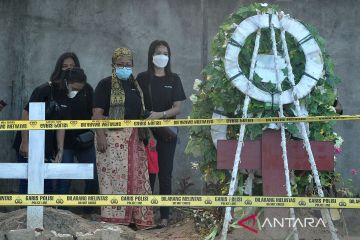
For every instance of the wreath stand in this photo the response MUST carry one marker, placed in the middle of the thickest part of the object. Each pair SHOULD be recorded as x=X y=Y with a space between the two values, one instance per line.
x=313 y=72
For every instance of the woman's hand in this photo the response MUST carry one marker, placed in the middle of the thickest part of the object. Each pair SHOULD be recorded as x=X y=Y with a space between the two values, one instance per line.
x=60 y=136
x=24 y=149
x=152 y=143
x=173 y=111
x=59 y=156
x=338 y=107
x=101 y=143
x=155 y=115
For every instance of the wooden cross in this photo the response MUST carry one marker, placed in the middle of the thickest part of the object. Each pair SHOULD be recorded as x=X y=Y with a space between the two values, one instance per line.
x=266 y=155
x=36 y=170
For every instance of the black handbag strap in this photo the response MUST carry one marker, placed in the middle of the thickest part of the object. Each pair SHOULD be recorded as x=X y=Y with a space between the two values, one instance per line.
x=51 y=91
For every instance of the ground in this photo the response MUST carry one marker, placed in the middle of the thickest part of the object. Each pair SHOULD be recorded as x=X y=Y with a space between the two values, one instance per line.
x=181 y=227
x=66 y=222
x=182 y=230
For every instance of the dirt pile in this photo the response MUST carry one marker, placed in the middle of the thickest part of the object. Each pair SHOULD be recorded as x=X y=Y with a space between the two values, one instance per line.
x=61 y=224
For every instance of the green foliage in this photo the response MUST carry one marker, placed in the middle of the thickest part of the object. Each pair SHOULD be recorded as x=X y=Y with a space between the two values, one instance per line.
x=216 y=91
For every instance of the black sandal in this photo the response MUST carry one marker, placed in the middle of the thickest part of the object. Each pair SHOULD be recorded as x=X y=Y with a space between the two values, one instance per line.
x=164 y=223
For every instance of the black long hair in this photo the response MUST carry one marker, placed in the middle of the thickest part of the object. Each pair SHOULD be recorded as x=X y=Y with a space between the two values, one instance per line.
x=151 y=65
x=56 y=74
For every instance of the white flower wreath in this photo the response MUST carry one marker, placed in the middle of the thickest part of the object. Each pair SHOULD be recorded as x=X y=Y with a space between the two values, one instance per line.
x=313 y=67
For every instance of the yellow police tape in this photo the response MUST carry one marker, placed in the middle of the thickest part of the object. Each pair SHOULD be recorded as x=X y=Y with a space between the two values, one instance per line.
x=178 y=201
x=11 y=125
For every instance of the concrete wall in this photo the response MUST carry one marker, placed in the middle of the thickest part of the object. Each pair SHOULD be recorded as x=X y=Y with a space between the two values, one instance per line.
x=34 y=33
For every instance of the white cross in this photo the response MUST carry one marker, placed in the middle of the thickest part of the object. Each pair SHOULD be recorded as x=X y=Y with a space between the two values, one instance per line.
x=36 y=170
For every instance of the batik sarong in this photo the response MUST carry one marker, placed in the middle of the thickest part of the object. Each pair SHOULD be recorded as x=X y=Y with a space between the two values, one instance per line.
x=123 y=169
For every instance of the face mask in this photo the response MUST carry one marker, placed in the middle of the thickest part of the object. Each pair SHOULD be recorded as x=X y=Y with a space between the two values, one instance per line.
x=72 y=94
x=123 y=73
x=160 y=60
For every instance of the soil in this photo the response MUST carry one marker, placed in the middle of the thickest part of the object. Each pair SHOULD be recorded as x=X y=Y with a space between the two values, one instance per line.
x=60 y=221
x=181 y=227
x=183 y=230
x=66 y=222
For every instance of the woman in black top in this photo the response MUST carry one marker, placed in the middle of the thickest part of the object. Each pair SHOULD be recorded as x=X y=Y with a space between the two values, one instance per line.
x=120 y=157
x=163 y=96
x=53 y=93
x=79 y=99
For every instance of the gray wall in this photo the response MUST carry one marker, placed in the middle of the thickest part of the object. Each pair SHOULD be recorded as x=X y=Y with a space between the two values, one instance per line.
x=34 y=33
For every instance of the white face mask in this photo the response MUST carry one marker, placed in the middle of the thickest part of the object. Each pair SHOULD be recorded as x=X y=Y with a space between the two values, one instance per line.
x=160 y=60
x=72 y=94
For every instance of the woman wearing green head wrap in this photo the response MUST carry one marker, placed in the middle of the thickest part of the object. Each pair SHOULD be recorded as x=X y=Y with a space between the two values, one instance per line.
x=121 y=158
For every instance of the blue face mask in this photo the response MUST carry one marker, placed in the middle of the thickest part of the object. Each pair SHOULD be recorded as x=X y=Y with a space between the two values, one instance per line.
x=123 y=73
